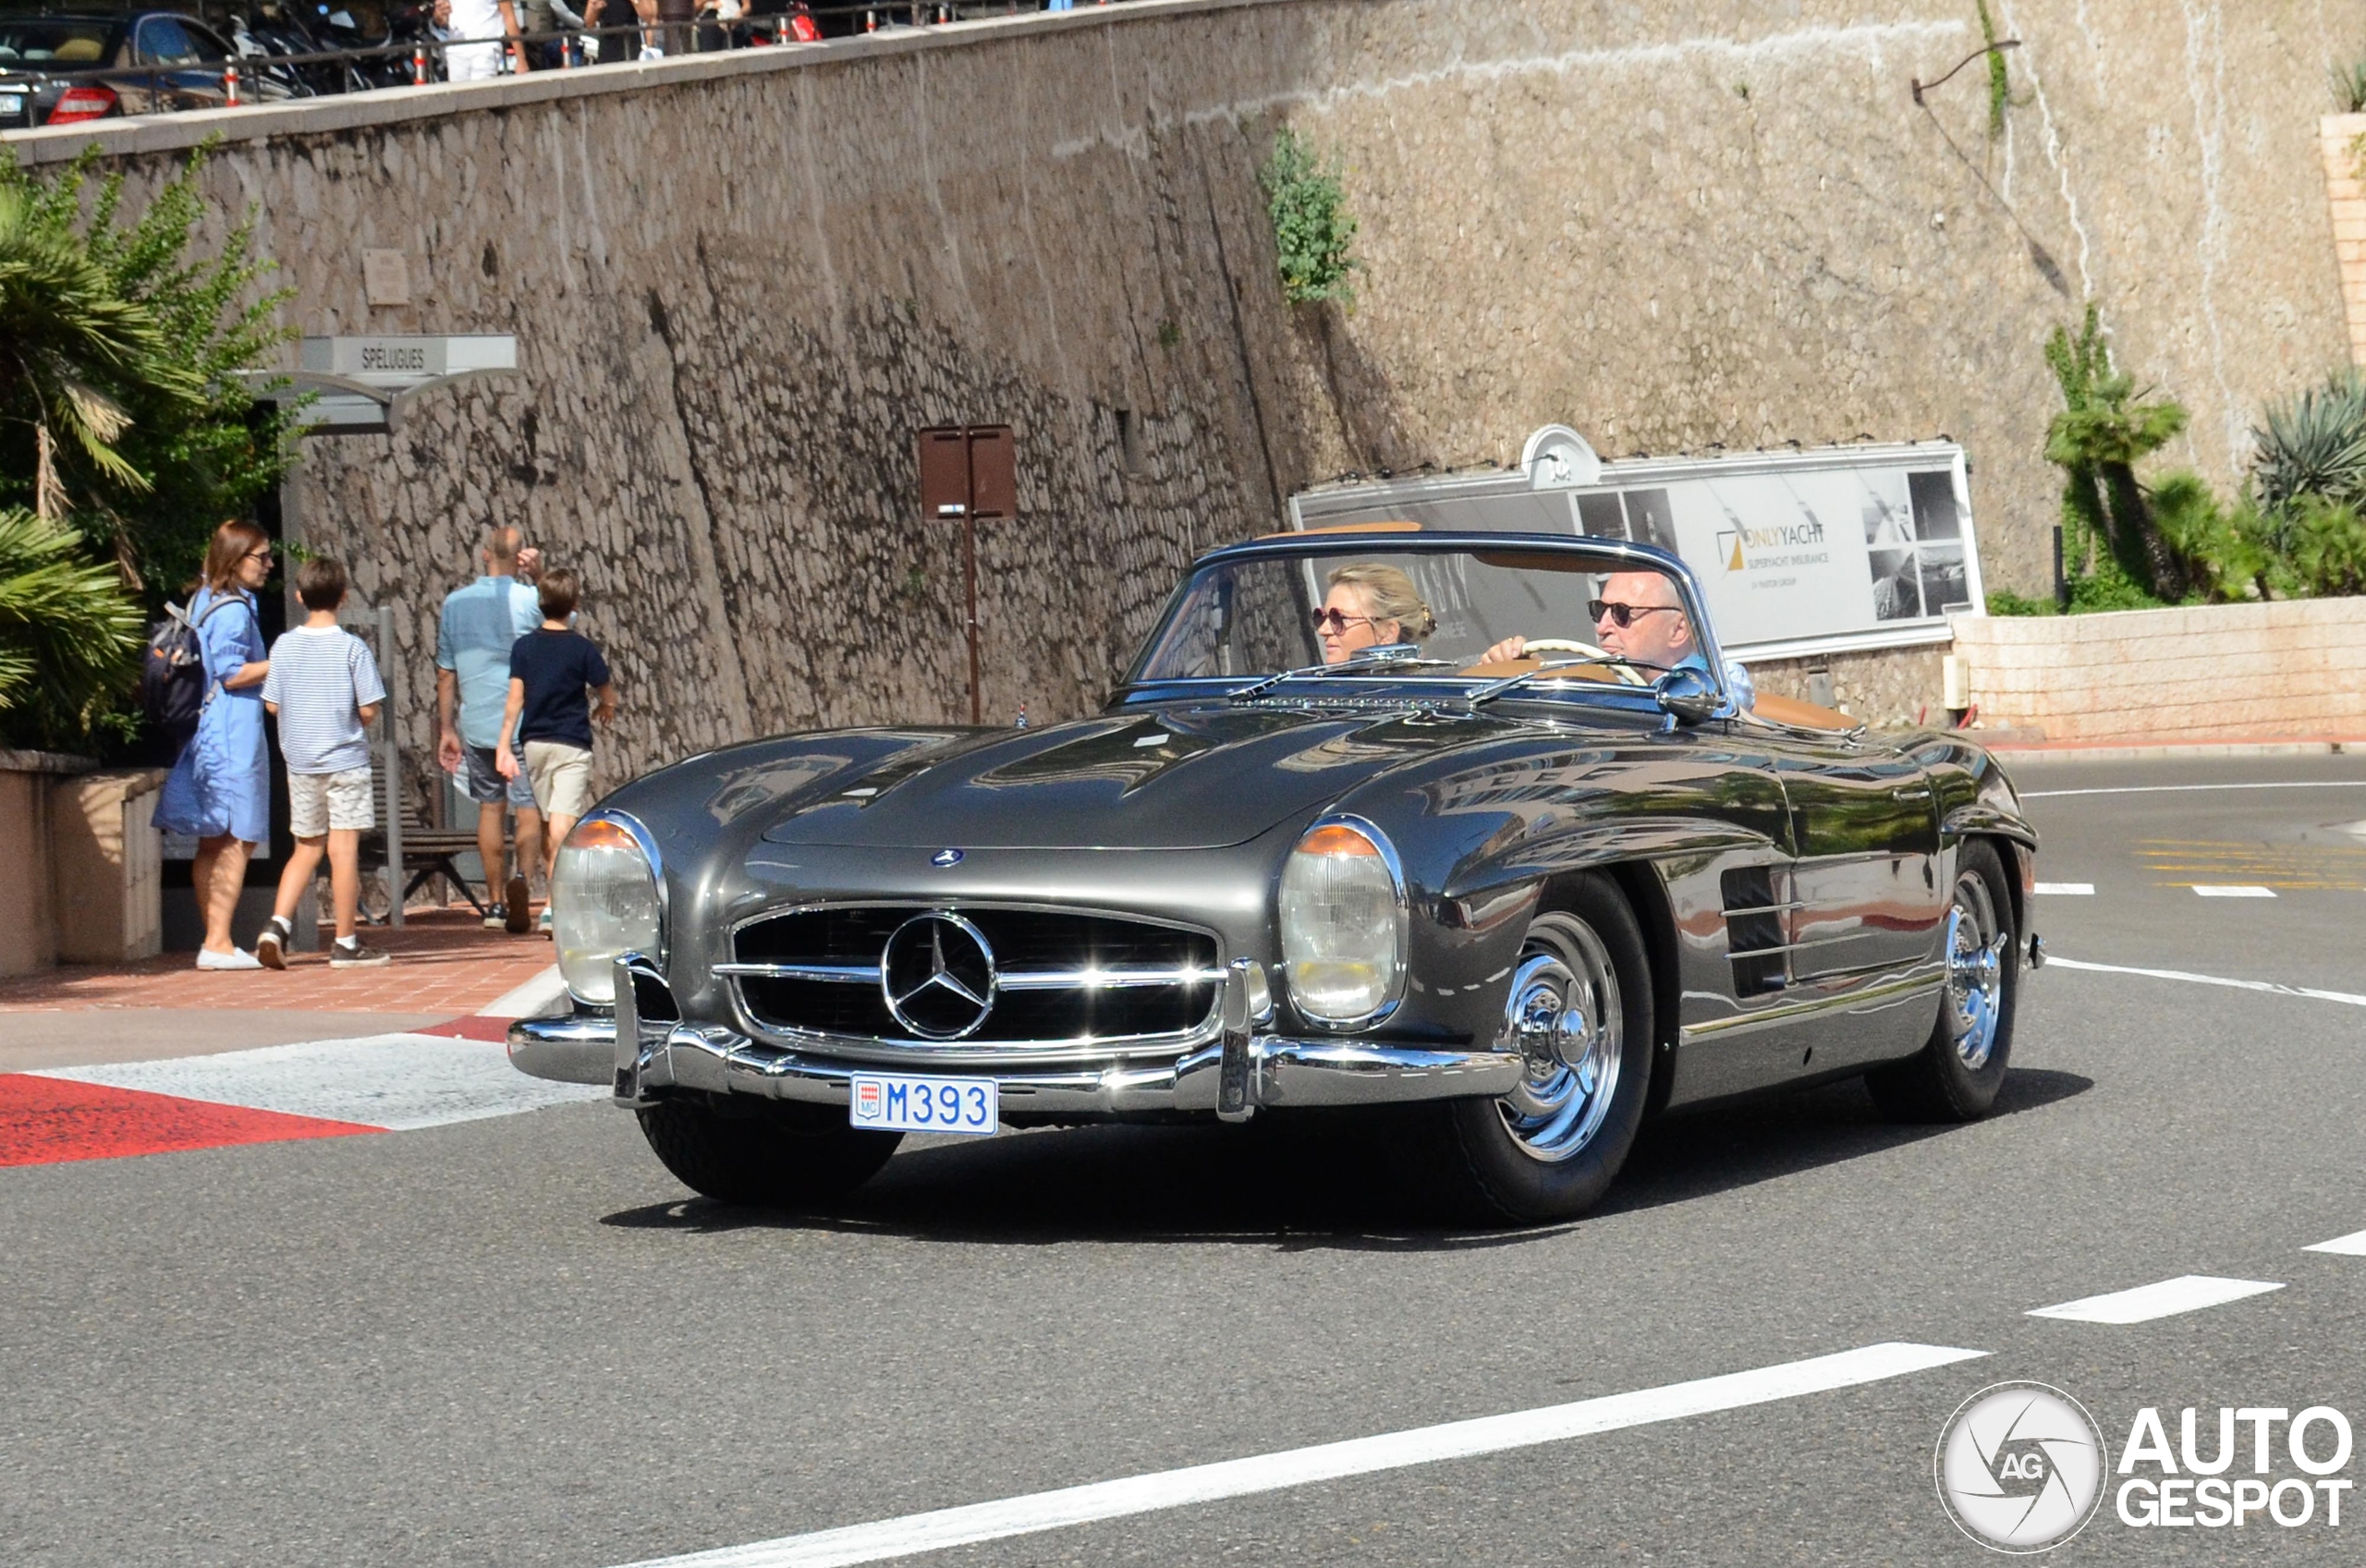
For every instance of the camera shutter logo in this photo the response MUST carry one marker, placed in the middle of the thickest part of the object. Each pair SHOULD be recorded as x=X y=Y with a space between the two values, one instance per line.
x=2020 y=1467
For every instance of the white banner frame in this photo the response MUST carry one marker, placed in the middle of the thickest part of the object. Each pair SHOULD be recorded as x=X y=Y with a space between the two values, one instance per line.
x=1780 y=539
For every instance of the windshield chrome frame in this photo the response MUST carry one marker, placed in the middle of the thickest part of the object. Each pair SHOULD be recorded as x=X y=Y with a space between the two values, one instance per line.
x=1619 y=553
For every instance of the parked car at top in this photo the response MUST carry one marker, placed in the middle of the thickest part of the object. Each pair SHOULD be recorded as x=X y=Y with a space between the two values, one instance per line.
x=1535 y=900
x=63 y=69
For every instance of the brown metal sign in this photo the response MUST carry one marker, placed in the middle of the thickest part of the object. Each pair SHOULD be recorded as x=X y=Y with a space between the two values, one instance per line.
x=969 y=473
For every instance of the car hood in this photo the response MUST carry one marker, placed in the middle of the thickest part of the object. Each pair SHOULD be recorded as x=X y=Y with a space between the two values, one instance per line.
x=1167 y=779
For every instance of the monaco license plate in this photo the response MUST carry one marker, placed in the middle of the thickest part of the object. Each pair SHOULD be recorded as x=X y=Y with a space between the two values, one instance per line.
x=891 y=1103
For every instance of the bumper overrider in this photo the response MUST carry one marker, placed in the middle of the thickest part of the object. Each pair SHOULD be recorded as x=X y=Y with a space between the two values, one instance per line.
x=641 y=1060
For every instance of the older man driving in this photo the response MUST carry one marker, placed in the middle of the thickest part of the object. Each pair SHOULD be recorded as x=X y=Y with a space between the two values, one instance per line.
x=1640 y=617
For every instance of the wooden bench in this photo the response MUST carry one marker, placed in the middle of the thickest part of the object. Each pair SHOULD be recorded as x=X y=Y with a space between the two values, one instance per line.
x=427 y=852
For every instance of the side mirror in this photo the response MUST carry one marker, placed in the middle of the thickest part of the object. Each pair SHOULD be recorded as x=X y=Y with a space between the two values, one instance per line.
x=1687 y=696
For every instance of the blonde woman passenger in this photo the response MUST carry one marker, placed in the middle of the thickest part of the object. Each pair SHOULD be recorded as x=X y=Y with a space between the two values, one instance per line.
x=1369 y=605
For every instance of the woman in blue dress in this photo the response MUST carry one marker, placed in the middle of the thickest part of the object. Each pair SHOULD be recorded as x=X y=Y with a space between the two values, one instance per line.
x=219 y=789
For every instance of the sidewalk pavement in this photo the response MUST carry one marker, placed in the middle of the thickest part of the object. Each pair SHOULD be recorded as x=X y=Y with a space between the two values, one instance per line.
x=446 y=969
x=159 y=1058
x=2024 y=744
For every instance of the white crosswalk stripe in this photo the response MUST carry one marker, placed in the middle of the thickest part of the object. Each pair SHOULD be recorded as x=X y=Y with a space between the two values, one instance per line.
x=397 y=1081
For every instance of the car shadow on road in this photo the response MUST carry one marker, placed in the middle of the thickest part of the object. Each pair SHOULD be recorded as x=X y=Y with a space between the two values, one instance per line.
x=1695 y=1154
x=1305 y=1182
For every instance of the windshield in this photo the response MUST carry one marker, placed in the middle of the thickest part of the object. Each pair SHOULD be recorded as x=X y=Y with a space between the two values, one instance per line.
x=59 y=40
x=1350 y=610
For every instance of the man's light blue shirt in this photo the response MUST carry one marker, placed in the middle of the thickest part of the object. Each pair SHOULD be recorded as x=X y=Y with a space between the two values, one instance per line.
x=472 y=640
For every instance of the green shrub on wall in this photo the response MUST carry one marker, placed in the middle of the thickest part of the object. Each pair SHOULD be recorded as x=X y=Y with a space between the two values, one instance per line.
x=2295 y=532
x=1313 y=231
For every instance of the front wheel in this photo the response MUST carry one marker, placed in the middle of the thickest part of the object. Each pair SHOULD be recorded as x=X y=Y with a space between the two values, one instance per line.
x=774 y=1156
x=1579 y=1013
x=1957 y=1074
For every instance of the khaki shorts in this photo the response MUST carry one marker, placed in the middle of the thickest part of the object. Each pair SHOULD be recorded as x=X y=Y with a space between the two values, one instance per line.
x=562 y=776
x=317 y=802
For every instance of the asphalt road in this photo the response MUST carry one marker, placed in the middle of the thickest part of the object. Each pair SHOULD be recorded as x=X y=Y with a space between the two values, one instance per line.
x=516 y=1342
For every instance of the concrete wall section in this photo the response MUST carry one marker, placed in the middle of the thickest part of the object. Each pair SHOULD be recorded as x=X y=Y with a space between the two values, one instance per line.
x=741 y=282
x=2286 y=670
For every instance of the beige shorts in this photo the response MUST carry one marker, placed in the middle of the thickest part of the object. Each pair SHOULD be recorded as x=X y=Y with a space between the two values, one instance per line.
x=562 y=777
x=317 y=802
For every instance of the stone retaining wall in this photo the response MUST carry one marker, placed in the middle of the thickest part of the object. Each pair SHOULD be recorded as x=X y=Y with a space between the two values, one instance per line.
x=2286 y=670
x=740 y=282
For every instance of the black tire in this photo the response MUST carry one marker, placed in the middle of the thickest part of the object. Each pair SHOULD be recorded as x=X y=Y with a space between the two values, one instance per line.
x=1531 y=1179
x=1938 y=1083
x=773 y=1156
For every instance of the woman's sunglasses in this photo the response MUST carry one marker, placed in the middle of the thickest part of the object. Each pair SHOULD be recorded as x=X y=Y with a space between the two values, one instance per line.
x=1622 y=615
x=1335 y=623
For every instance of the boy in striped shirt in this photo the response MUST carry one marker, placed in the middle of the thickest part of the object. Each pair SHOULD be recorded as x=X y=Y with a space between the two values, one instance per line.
x=324 y=687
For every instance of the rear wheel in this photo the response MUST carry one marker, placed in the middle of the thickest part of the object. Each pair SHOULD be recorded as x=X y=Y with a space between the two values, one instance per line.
x=1579 y=1013
x=1957 y=1074
x=772 y=1155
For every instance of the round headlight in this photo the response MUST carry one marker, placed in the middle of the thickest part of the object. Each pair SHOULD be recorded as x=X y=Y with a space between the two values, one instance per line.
x=603 y=902
x=1343 y=924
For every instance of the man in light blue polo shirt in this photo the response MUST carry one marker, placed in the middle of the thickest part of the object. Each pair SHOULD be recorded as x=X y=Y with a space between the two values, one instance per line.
x=472 y=642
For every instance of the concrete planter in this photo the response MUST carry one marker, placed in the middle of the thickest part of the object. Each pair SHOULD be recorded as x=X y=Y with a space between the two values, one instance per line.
x=87 y=877
x=2294 y=669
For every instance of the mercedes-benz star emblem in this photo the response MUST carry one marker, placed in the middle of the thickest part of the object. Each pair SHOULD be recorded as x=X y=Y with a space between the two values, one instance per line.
x=938 y=975
x=945 y=858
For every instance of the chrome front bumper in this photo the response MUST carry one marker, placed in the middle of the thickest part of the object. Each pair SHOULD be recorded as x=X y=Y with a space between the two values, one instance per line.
x=1270 y=1070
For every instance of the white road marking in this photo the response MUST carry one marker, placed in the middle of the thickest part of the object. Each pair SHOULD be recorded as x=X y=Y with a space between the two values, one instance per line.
x=2232 y=890
x=946 y=1528
x=394 y=1081
x=2181 y=789
x=2187 y=1293
x=529 y=1000
x=2350 y=997
x=2351 y=1246
x=2066 y=890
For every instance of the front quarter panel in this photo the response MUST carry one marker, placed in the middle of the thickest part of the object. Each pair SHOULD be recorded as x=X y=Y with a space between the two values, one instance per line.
x=706 y=812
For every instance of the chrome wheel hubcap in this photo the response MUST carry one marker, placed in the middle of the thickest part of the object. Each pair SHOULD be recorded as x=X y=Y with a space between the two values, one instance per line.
x=1975 y=971
x=1564 y=1020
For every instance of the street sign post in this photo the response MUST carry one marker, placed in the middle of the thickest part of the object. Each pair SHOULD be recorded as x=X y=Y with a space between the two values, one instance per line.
x=969 y=472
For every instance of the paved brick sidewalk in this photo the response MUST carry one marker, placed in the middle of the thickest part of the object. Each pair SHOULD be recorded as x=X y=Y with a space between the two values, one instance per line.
x=446 y=964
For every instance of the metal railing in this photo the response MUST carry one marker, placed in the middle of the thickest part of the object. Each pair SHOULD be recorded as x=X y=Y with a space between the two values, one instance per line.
x=261 y=75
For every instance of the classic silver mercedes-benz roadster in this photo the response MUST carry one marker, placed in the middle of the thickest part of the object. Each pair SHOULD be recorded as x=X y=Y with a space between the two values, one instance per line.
x=1474 y=824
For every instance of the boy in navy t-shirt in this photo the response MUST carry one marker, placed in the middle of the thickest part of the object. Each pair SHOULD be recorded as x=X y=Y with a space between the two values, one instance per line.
x=551 y=668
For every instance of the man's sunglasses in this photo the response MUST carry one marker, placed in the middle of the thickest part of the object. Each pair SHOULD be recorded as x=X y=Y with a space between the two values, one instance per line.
x=1335 y=622
x=1622 y=614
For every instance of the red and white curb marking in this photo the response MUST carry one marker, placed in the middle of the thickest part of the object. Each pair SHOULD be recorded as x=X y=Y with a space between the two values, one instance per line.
x=456 y=1072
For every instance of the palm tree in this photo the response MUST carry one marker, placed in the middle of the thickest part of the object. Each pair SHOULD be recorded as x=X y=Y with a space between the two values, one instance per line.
x=2103 y=429
x=71 y=347
x=68 y=631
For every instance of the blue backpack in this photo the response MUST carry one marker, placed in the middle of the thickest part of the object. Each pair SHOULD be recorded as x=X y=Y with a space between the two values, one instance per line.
x=172 y=676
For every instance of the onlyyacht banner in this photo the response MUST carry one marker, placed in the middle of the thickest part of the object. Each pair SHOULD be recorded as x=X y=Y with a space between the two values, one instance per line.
x=1799 y=551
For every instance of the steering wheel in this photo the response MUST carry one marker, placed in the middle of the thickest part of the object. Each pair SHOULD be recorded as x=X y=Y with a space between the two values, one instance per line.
x=1631 y=676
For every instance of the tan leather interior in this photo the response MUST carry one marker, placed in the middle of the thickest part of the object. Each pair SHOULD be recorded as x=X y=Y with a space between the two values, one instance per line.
x=1498 y=669
x=1779 y=710
x=1346 y=527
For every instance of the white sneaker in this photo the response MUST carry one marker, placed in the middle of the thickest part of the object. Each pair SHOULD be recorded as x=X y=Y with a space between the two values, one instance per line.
x=236 y=958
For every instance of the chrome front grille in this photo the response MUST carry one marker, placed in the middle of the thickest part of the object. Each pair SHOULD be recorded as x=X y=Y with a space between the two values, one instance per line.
x=1050 y=977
